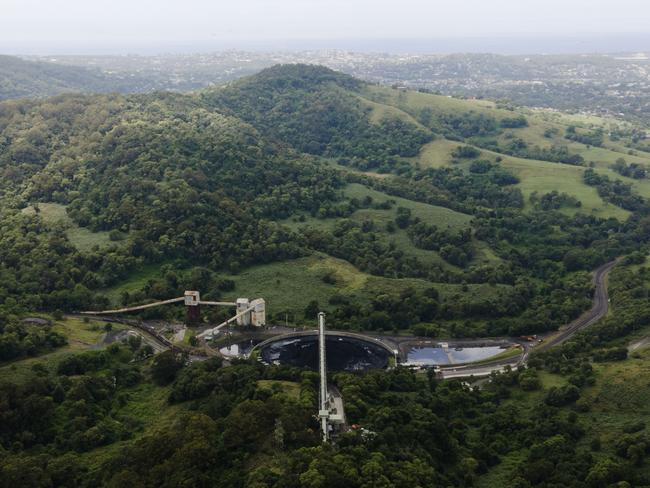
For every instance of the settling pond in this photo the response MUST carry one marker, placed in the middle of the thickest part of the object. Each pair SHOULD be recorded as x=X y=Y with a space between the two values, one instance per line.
x=429 y=355
x=346 y=353
x=343 y=353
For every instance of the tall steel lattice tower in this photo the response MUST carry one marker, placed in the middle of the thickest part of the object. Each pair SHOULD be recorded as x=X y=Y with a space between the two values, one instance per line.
x=323 y=412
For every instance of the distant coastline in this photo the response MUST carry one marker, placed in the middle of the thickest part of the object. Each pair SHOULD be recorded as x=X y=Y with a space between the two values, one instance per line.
x=585 y=44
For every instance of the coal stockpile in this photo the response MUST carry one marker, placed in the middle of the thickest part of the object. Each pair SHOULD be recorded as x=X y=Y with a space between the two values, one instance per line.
x=343 y=353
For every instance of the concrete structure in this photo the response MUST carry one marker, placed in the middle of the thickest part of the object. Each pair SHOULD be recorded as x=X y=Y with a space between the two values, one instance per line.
x=330 y=410
x=258 y=315
x=192 y=298
x=192 y=309
x=243 y=304
x=323 y=411
x=247 y=312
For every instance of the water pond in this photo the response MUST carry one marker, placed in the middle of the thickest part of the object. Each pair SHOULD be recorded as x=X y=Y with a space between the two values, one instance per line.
x=428 y=355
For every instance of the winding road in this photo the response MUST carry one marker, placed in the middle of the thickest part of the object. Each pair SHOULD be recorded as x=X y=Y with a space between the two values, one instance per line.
x=598 y=310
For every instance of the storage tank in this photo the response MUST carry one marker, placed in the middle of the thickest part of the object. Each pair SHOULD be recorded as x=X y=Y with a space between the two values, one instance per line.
x=243 y=304
x=258 y=315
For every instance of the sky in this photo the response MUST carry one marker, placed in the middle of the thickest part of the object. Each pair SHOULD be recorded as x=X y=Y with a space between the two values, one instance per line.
x=39 y=24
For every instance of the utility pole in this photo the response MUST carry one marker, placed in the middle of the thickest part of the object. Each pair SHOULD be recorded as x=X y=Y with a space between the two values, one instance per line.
x=324 y=411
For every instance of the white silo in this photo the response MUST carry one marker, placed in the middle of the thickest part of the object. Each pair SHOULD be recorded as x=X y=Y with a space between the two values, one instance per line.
x=258 y=315
x=242 y=305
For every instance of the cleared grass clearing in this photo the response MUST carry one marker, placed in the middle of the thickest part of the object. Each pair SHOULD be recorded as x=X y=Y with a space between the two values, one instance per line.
x=539 y=176
x=431 y=214
x=289 y=286
x=543 y=177
x=533 y=135
x=290 y=388
x=85 y=240
x=484 y=254
x=380 y=112
x=20 y=372
x=81 y=336
x=134 y=283
x=80 y=237
x=501 y=474
x=441 y=217
x=436 y=153
x=413 y=102
x=51 y=213
x=604 y=157
x=580 y=120
x=535 y=175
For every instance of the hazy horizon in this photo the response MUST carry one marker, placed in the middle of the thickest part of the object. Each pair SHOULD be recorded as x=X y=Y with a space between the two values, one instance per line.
x=154 y=27
x=506 y=45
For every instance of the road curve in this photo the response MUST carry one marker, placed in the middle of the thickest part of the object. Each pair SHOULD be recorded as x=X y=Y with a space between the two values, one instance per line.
x=598 y=310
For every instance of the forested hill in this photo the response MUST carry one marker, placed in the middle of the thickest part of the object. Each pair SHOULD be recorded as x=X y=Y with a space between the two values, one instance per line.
x=394 y=211
x=317 y=111
x=21 y=78
x=300 y=165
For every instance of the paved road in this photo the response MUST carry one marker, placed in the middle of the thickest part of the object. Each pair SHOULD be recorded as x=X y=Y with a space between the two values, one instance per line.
x=598 y=310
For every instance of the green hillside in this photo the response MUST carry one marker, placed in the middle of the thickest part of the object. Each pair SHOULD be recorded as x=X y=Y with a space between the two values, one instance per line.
x=582 y=406
x=20 y=78
x=534 y=175
x=142 y=197
x=543 y=129
x=397 y=212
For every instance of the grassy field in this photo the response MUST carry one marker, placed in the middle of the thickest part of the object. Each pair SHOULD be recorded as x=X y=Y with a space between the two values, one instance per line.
x=413 y=102
x=380 y=111
x=290 y=388
x=137 y=279
x=436 y=154
x=291 y=285
x=80 y=335
x=431 y=214
x=539 y=176
x=80 y=237
x=535 y=175
x=442 y=217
